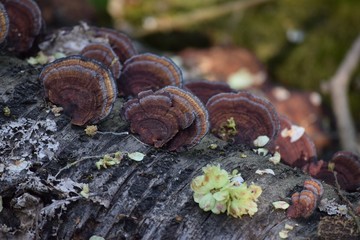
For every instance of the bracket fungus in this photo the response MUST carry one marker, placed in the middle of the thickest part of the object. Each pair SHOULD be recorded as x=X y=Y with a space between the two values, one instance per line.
x=170 y=117
x=346 y=165
x=4 y=23
x=148 y=72
x=308 y=112
x=103 y=53
x=305 y=202
x=83 y=87
x=119 y=42
x=204 y=90
x=295 y=152
x=242 y=117
x=25 y=23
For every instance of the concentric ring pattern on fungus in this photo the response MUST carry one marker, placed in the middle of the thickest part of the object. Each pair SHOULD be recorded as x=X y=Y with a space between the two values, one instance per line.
x=83 y=87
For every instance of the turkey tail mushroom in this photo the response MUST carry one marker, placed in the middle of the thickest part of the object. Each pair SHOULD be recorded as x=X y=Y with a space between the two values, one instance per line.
x=347 y=167
x=83 y=87
x=171 y=118
x=25 y=23
x=119 y=42
x=295 y=147
x=242 y=117
x=103 y=53
x=148 y=72
x=204 y=90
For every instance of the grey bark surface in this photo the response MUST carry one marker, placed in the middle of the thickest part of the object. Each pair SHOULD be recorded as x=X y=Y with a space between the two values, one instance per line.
x=150 y=199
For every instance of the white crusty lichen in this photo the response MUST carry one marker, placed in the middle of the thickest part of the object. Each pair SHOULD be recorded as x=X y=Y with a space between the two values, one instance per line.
x=25 y=141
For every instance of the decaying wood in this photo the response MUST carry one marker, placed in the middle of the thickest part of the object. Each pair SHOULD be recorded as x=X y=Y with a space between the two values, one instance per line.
x=150 y=199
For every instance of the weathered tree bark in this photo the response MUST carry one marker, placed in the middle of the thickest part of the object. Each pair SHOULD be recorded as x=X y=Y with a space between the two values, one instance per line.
x=150 y=199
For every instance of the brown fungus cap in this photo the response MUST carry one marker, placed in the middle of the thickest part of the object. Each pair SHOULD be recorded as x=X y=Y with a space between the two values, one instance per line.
x=120 y=43
x=25 y=23
x=296 y=153
x=103 y=53
x=4 y=23
x=152 y=117
x=206 y=89
x=83 y=87
x=171 y=118
x=308 y=112
x=346 y=165
x=189 y=104
x=242 y=117
x=148 y=71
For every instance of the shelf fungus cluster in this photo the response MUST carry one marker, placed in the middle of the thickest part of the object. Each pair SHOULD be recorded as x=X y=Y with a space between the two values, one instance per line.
x=294 y=145
x=22 y=24
x=83 y=87
x=148 y=72
x=103 y=53
x=171 y=118
x=119 y=42
x=204 y=90
x=242 y=117
x=305 y=202
x=347 y=167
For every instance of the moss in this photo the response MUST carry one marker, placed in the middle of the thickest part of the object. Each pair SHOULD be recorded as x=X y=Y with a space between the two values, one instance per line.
x=325 y=45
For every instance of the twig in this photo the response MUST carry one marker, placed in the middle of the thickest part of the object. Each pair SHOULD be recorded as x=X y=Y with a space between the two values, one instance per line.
x=167 y=23
x=351 y=209
x=339 y=84
x=113 y=133
x=76 y=162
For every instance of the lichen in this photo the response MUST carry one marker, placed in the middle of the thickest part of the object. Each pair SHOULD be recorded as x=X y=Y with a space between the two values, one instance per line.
x=91 y=130
x=109 y=160
x=227 y=130
x=218 y=191
x=25 y=141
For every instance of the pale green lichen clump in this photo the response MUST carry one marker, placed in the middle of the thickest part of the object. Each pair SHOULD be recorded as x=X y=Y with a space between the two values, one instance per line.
x=218 y=191
x=227 y=130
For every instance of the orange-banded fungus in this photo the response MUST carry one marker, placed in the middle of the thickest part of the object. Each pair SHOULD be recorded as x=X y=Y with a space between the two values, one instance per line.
x=120 y=43
x=83 y=87
x=242 y=117
x=170 y=118
x=4 y=23
x=347 y=167
x=148 y=72
x=206 y=89
x=305 y=202
x=25 y=23
x=297 y=152
x=103 y=53
x=315 y=186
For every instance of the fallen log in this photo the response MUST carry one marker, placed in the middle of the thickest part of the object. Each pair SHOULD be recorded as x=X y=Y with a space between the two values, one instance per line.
x=44 y=179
